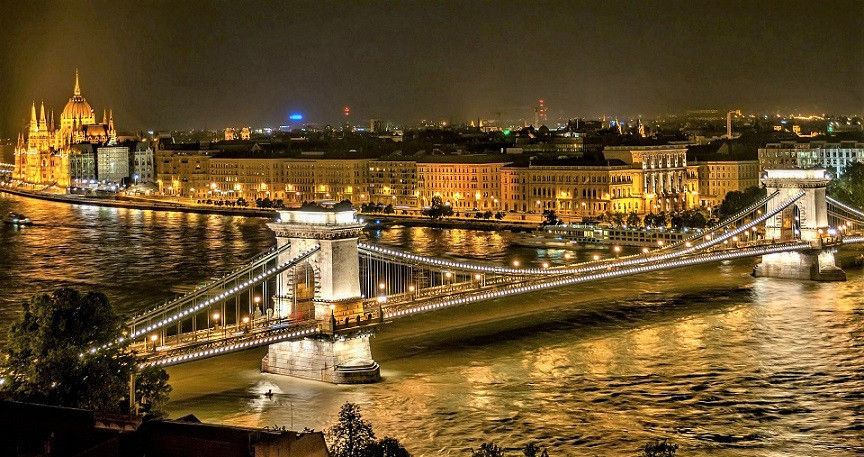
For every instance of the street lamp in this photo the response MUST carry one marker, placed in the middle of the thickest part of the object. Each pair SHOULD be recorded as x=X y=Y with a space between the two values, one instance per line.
x=516 y=263
x=154 y=338
x=215 y=317
x=246 y=322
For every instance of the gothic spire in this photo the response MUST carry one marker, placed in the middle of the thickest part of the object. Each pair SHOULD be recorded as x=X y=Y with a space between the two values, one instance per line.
x=42 y=122
x=77 y=86
x=33 y=119
x=104 y=116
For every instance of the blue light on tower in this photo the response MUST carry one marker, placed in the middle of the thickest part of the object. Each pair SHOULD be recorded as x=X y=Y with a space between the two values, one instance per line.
x=296 y=117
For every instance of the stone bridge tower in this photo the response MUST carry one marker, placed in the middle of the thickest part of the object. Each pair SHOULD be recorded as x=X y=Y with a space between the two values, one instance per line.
x=340 y=353
x=805 y=220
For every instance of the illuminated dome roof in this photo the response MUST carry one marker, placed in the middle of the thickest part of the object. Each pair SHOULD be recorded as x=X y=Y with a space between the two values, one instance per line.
x=77 y=107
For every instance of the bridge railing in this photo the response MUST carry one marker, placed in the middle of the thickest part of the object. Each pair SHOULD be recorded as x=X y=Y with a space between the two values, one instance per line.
x=845 y=207
x=586 y=266
x=253 y=264
x=179 y=313
x=726 y=222
x=539 y=283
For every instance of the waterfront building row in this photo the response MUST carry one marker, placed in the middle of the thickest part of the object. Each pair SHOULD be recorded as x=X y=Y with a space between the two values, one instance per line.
x=832 y=156
x=642 y=179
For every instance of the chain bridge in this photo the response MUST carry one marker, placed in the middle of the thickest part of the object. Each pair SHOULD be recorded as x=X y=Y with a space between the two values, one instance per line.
x=318 y=296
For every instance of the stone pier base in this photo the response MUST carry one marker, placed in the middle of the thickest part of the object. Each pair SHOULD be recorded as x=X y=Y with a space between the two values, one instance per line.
x=815 y=266
x=337 y=360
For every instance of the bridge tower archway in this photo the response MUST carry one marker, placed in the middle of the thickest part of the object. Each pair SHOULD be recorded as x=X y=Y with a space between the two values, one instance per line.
x=326 y=286
x=806 y=220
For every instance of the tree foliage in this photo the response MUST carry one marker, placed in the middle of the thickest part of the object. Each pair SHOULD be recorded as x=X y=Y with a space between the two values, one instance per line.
x=849 y=187
x=488 y=450
x=437 y=209
x=736 y=201
x=49 y=358
x=550 y=217
x=352 y=436
x=660 y=448
x=534 y=450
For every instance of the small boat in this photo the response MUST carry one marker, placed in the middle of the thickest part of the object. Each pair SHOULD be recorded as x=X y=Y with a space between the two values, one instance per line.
x=17 y=219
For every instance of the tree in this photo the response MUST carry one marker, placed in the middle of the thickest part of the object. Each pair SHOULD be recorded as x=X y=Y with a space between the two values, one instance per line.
x=549 y=217
x=351 y=436
x=533 y=450
x=736 y=201
x=849 y=187
x=66 y=350
x=488 y=450
x=389 y=447
x=500 y=215
x=633 y=219
x=677 y=221
x=344 y=205
x=437 y=209
x=697 y=220
x=649 y=219
x=659 y=448
x=389 y=209
x=487 y=215
x=152 y=389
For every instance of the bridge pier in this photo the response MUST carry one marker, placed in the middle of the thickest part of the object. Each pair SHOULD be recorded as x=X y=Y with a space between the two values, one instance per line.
x=337 y=359
x=808 y=266
x=807 y=220
x=341 y=353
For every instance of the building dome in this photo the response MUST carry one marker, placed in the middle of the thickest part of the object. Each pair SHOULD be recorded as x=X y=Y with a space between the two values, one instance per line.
x=77 y=108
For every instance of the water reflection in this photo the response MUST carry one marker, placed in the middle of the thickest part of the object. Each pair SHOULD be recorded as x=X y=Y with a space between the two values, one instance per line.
x=725 y=364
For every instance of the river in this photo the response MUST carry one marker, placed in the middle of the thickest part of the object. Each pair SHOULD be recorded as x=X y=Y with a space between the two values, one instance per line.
x=720 y=362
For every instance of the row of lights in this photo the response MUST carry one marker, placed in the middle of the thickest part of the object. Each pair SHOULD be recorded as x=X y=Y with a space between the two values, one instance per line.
x=616 y=249
x=732 y=219
x=263 y=258
x=232 y=347
x=606 y=275
x=845 y=206
x=228 y=293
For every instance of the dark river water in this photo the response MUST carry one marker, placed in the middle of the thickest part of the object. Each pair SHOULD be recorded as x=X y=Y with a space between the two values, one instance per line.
x=720 y=362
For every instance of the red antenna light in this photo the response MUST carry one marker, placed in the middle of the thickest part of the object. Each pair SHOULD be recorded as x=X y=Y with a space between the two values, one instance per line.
x=347 y=111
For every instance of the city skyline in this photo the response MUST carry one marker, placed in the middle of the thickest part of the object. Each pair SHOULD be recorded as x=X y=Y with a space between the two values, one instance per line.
x=197 y=65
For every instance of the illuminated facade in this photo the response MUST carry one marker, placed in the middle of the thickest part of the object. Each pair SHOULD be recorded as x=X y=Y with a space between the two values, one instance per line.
x=717 y=178
x=833 y=157
x=571 y=190
x=466 y=183
x=44 y=155
x=663 y=177
x=394 y=182
x=656 y=180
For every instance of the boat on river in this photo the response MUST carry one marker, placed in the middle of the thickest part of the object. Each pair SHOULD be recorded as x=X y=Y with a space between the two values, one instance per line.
x=17 y=219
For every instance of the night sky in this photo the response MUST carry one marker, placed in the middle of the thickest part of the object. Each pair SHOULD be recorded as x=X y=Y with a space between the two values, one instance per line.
x=179 y=64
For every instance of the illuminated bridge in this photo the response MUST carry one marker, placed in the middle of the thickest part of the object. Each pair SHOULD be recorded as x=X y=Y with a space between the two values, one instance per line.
x=318 y=296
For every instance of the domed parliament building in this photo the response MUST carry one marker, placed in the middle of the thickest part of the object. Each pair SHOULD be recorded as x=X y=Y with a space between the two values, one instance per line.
x=51 y=155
